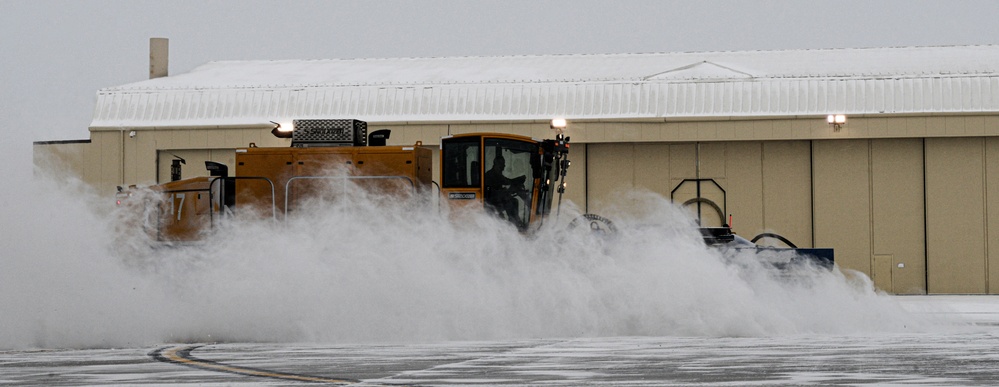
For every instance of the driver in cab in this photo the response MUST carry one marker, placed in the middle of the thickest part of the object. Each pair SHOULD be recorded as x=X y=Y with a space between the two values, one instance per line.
x=501 y=191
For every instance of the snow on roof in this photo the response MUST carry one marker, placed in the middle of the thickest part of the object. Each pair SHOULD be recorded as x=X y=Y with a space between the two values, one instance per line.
x=609 y=86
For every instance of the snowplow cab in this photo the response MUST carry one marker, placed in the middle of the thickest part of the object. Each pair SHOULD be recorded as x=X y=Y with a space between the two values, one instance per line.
x=514 y=177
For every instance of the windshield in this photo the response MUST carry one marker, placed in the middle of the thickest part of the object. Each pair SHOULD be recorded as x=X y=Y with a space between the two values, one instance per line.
x=508 y=181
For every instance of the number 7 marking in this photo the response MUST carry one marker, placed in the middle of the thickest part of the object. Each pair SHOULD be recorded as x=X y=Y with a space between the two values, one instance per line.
x=178 y=207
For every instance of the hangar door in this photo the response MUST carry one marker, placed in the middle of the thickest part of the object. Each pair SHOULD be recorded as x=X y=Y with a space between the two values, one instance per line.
x=869 y=207
x=962 y=215
x=766 y=184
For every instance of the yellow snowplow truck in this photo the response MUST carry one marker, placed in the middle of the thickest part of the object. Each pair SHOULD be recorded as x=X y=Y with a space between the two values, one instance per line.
x=514 y=177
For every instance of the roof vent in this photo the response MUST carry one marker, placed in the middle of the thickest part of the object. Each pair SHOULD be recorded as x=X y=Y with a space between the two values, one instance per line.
x=701 y=70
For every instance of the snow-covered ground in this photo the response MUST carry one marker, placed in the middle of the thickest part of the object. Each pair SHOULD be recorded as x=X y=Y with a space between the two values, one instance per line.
x=429 y=301
x=974 y=309
x=961 y=348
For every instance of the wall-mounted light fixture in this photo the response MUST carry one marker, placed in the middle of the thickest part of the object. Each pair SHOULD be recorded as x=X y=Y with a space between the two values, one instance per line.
x=131 y=134
x=836 y=120
x=558 y=124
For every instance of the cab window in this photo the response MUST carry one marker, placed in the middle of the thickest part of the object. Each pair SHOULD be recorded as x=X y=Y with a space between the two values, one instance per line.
x=461 y=167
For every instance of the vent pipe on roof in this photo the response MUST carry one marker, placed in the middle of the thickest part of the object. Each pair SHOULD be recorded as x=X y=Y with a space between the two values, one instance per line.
x=159 y=54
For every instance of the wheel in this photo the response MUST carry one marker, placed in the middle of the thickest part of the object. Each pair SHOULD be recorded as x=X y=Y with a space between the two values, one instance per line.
x=596 y=223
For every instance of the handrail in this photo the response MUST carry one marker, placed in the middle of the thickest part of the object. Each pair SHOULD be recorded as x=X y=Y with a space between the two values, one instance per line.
x=287 y=185
x=699 y=199
x=269 y=182
x=440 y=193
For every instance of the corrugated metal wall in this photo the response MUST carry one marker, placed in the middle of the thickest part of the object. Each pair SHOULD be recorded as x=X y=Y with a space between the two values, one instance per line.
x=912 y=202
x=767 y=184
x=915 y=214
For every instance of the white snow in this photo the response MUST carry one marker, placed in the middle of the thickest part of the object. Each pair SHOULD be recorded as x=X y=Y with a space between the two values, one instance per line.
x=896 y=80
x=974 y=309
x=863 y=62
x=961 y=351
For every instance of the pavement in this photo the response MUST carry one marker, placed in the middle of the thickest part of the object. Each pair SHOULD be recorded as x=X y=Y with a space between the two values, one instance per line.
x=963 y=349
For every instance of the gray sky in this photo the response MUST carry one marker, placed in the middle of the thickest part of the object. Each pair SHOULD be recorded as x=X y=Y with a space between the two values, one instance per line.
x=57 y=54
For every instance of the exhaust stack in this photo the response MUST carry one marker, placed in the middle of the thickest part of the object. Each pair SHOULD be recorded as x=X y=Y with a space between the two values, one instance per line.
x=159 y=55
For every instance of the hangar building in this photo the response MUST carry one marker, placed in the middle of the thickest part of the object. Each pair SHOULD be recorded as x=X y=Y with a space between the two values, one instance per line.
x=907 y=190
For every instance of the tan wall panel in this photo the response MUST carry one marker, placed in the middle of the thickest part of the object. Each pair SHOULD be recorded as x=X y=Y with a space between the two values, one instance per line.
x=92 y=173
x=109 y=160
x=787 y=198
x=974 y=126
x=199 y=138
x=181 y=139
x=914 y=126
x=140 y=159
x=744 y=186
x=711 y=163
x=726 y=129
x=881 y=271
x=992 y=189
x=233 y=138
x=682 y=163
x=610 y=173
x=652 y=167
x=428 y=134
x=897 y=203
x=404 y=135
x=145 y=146
x=624 y=132
x=763 y=129
x=61 y=160
x=990 y=125
x=267 y=140
x=250 y=136
x=955 y=237
x=615 y=169
x=132 y=157
x=843 y=201
x=650 y=132
x=783 y=130
x=215 y=137
x=937 y=126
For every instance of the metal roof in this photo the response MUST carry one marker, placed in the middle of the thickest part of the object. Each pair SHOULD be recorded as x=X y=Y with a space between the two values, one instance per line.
x=895 y=80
